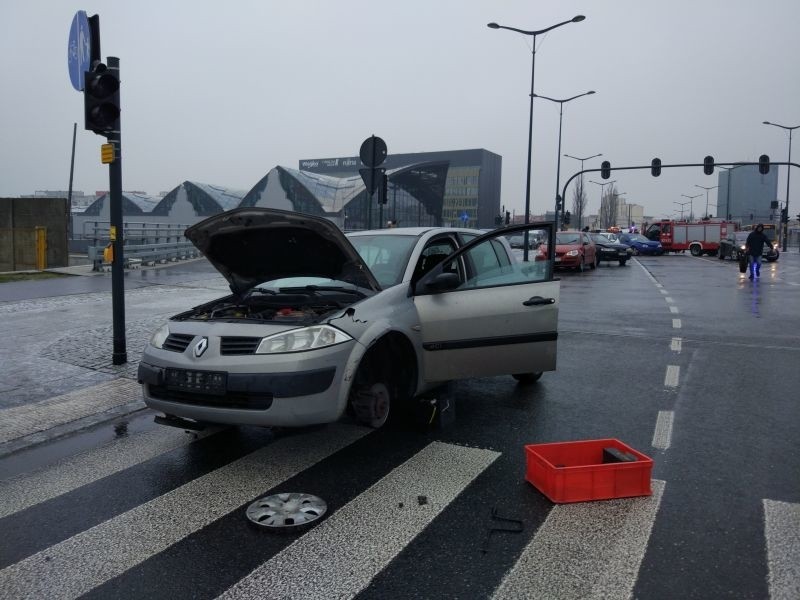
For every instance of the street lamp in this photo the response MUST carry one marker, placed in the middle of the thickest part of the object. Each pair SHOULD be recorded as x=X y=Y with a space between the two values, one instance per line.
x=560 y=120
x=602 y=192
x=691 y=205
x=785 y=224
x=681 y=204
x=580 y=213
x=533 y=34
x=707 y=189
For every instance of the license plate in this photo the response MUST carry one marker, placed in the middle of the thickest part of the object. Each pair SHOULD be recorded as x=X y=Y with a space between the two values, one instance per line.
x=558 y=259
x=201 y=382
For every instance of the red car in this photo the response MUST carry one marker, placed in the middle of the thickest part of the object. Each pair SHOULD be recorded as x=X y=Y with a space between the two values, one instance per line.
x=575 y=250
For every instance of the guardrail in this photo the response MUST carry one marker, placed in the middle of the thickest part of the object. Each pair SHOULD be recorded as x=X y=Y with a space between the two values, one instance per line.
x=149 y=254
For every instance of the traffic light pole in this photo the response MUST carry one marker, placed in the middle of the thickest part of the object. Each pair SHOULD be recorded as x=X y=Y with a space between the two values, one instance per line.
x=120 y=354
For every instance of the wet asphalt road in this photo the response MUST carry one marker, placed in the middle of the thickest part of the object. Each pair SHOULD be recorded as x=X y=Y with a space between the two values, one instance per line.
x=679 y=357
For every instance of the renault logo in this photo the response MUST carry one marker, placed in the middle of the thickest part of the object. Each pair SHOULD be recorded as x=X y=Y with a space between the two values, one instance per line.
x=200 y=347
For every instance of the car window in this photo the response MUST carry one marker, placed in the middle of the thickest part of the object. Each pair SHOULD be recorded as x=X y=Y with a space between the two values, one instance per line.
x=491 y=263
x=385 y=255
x=434 y=253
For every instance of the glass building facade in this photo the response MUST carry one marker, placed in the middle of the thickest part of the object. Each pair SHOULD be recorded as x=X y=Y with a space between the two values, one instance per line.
x=470 y=195
x=745 y=195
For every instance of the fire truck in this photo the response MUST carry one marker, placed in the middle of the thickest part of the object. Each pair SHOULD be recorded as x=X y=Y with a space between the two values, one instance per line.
x=702 y=237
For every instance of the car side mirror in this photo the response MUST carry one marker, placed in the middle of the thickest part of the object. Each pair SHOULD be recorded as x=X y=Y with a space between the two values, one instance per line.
x=442 y=282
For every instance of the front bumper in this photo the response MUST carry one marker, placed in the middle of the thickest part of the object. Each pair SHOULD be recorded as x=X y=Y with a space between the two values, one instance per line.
x=612 y=254
x=293 y=399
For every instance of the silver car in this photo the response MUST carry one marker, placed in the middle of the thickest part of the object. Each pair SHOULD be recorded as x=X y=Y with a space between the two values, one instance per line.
x=319 y=323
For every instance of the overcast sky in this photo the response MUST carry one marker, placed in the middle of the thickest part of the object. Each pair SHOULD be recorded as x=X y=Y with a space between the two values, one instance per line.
x=220 y=93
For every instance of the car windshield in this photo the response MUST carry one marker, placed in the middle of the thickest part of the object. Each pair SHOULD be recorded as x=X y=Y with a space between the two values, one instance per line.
x=568 y=238
x=600 y=239
x=637 y=238
x=386 y=255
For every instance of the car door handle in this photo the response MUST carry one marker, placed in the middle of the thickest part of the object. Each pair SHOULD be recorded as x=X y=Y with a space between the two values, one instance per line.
x=538 y=300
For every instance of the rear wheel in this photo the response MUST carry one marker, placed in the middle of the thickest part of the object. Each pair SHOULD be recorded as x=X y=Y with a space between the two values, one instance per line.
x=528 y=377
x=622 y=262
x=696 y=250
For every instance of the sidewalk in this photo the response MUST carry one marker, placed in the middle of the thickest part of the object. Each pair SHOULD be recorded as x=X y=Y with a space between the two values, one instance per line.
x=56 y=343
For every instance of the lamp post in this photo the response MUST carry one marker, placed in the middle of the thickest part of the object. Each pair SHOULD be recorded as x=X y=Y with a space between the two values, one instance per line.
x=785 y=224
x=602 y=192
x=707 y=189
x=580 y=213
x=691 y=204
x=560 y=103
x=681 y=204
x=533 y=34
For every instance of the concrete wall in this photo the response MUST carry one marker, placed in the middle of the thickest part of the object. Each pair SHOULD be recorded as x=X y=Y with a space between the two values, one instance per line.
x=25 y=214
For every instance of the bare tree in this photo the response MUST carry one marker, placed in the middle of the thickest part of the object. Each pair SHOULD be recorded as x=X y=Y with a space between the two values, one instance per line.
x=608 y=207
x=578 y=203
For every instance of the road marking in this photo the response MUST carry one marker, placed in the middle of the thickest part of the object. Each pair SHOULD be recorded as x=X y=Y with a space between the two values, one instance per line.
x=665 y=292
x=782 y=530
x=81 y=563
x=356 y=548
x=676 y=323
x=672 y=376
x=585 y=550
x=673 y=309
x=662 y=437
x=676 y=345
x=67 y=475
x=669 y=300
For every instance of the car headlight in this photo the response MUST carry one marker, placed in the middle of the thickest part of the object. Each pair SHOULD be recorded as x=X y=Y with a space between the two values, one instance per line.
x=572 y=253
x=305 y=338
x=741 y=247
x=160 y=336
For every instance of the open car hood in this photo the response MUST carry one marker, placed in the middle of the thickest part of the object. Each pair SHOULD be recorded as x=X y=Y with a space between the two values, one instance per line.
x=250 y=246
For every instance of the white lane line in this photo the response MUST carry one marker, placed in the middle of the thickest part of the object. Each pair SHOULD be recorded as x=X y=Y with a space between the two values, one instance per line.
x=662 y=437
x=676 y=344
x=676 y=323
x=669 y=300
x=585 y=550
x=64 y=476
x=673 y=310
x=665 y=292
x=672 y=376
x=356 y=548
x=89 y=559
x=782 y=530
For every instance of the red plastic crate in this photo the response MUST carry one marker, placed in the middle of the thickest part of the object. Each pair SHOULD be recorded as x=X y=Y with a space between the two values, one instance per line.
x=575 y=472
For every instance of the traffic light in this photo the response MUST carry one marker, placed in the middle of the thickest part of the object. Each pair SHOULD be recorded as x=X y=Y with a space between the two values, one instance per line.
x=655 y=167
x=763 y=164
x=559 y=204
x=567 y=218
x=708 y=165
x=605 y=169
x=101 y=100
x=508 y=217
x=785 y=214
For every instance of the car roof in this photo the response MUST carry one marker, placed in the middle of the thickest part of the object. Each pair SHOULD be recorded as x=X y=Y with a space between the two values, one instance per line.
x=415 y=231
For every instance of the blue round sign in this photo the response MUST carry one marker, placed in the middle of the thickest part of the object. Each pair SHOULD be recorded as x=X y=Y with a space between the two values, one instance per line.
x=79 y=49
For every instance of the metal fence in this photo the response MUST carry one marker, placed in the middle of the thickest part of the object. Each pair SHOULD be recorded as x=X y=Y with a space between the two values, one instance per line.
x=144 y=243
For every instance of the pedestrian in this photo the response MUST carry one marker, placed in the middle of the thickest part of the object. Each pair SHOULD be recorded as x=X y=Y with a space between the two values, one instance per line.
x=754 y=249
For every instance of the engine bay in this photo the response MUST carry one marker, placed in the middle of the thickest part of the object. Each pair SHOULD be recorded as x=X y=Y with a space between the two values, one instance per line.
x=302 y=307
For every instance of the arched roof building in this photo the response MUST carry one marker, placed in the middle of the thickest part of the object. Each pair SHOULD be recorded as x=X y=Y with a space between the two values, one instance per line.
x=414 y=195
x=191 y=202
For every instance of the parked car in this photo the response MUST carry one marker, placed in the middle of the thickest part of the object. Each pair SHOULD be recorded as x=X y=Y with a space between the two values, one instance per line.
x=640 y=244
x=319 y=322
x=518 y=241
x=575 y=250
x=733 y=247
x=610 y=251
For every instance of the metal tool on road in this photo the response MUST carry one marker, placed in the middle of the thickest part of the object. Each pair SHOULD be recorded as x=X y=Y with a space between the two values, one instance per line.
x=515 y=526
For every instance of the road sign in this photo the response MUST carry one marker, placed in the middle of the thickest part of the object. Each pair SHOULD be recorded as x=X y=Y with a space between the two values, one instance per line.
x=464 y=217
x=372 y=177
x=373 y=151
x=79 y=49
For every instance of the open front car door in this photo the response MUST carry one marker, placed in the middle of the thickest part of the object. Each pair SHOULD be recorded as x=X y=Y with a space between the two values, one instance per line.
x=486 y=310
